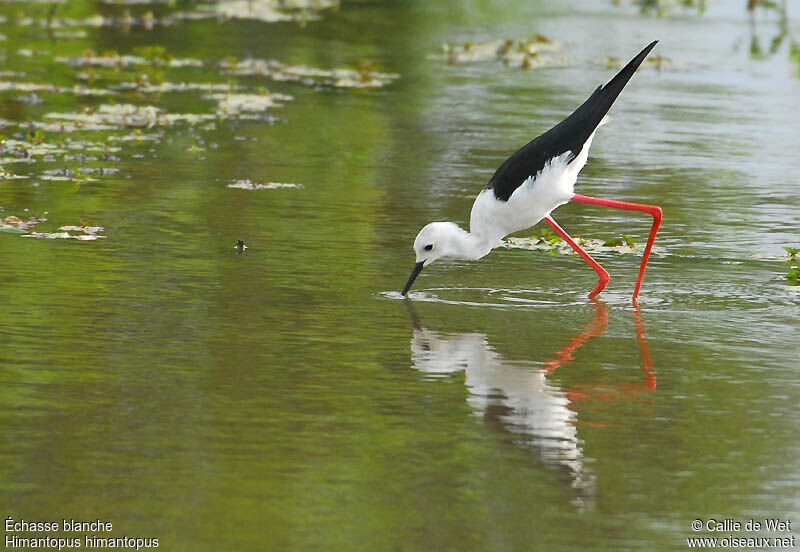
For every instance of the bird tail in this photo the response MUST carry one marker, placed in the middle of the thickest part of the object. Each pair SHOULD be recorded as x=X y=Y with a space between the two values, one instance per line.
x=593 y=111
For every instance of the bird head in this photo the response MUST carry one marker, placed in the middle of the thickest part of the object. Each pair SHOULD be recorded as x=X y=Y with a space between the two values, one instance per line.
x=434 y=241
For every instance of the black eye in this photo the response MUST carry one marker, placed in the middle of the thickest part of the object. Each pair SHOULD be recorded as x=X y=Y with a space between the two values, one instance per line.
x=428 y=247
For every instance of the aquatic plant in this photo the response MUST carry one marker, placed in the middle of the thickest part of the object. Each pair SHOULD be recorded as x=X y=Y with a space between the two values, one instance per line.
x=661 y=7
x=362 y=77
x=15 y=225
x=524 y=54
x=793 y=275
x=300 y=11
x=248 y=184
x=549 y=238
x=623 y=239
x=549 y=242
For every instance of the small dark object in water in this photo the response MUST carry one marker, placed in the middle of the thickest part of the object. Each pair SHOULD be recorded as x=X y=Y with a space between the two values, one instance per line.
x=240 y=246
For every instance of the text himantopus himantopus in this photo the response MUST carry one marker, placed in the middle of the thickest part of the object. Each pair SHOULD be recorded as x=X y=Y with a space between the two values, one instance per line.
x=533 y=182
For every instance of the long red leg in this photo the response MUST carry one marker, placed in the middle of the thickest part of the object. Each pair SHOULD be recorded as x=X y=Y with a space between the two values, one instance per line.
x=601 y=272
x=651 y=209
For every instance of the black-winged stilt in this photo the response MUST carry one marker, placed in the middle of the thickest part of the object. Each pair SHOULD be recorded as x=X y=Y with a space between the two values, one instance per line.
x=533 y=182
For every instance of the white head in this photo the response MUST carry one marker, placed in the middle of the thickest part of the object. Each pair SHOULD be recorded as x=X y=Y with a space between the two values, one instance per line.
x=439 y=240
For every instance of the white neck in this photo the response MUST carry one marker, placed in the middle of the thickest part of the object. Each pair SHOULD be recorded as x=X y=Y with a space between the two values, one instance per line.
x=468 y=245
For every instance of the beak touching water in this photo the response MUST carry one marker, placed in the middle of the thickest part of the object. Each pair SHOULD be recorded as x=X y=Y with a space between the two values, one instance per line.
x=414 y=273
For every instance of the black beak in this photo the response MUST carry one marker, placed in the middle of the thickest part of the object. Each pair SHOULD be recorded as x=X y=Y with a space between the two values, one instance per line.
x=414 y=273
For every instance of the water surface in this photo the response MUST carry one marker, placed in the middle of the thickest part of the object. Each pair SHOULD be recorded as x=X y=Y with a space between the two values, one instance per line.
x=286 y=399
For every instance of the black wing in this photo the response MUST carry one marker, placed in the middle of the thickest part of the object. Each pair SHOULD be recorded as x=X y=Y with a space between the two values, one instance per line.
x=568 y=135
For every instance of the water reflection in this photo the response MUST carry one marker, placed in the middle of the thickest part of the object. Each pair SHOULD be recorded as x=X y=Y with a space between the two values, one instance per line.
x=518 y=396
x=756 y=50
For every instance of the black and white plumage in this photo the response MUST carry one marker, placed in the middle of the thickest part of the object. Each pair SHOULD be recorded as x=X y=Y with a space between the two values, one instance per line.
x=570 y=135
x=529 y=185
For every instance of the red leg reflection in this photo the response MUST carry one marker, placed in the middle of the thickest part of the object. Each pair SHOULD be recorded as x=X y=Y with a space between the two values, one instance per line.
x=596 y=391
x=647 y=364
x=594 y=328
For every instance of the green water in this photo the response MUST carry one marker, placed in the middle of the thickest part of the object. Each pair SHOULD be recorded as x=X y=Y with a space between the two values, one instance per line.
x=286 y=399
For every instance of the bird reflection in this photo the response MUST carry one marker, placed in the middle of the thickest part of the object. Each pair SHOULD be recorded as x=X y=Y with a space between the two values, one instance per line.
x=519 y=397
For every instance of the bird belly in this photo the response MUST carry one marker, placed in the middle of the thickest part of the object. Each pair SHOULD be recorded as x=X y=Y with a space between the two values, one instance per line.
x=536 y=198
x=530 y=203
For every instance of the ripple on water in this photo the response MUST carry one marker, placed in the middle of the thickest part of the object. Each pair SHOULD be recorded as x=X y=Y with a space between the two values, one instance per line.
x=492 y=297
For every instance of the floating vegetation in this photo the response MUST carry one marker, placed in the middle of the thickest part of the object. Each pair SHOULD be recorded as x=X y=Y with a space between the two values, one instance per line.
x=116 y=116
x=624 y=239
x=75 y=173
x=148 y=88
x=82 y=228
x=63 y=235
x=248 y=184
x=138 y=2
x=119 y=105
x=552 y=244
x=270 y=11
x=654 y=61
x=363 y=77
x=70 y=35
x=150 y=55
x=125 y=21
x=20 y=151
x=78 y=89
x=793 y=275
x=661 y=7
x=138 y=136
x=240 y=105
x=8 y=175
x=525 y=54
x=84 y=232
x=16 y=225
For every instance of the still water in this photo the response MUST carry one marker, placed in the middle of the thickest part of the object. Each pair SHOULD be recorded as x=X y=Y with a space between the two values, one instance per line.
x=285 y=398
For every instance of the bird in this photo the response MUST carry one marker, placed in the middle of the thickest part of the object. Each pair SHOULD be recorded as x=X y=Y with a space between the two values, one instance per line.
x=531 y=184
